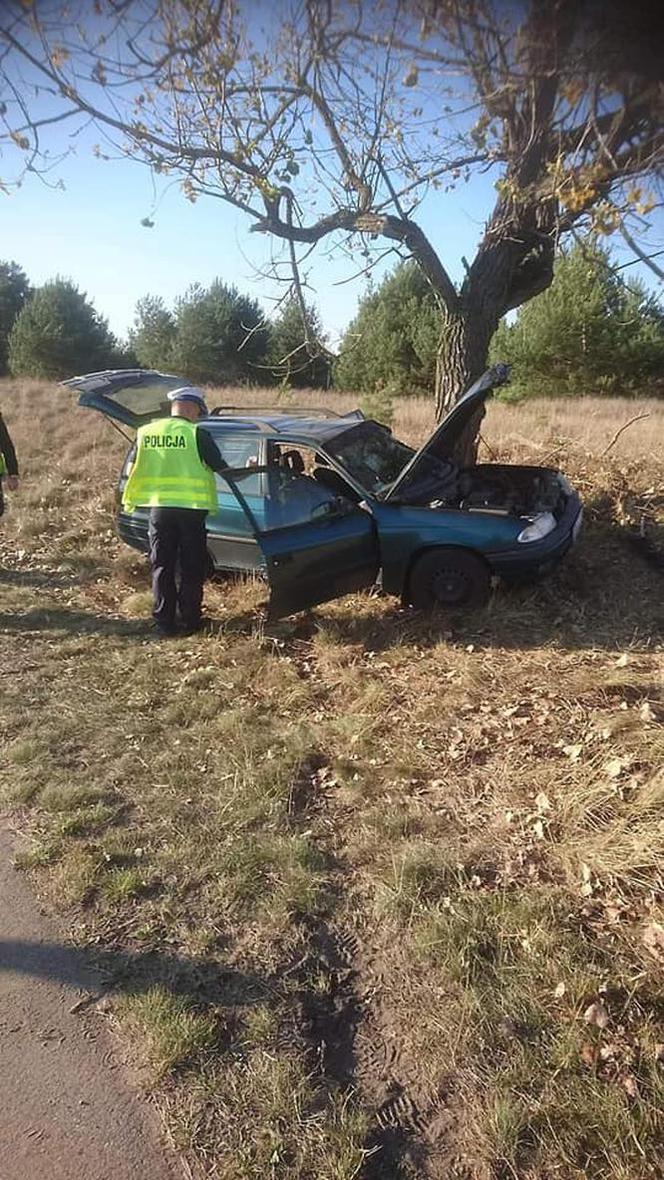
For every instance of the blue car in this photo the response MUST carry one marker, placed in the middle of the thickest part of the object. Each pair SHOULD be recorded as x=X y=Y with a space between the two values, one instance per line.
x=323 y=504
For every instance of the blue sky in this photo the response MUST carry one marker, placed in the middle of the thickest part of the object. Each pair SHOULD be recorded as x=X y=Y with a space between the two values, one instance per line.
x=91 y=232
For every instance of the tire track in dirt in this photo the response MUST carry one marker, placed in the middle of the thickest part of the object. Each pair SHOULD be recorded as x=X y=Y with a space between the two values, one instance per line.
x=352 y=1037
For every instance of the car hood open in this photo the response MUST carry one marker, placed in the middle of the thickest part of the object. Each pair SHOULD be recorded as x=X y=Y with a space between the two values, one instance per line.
x=442 y=443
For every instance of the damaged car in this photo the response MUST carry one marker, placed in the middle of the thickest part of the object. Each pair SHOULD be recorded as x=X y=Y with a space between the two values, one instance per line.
x=323 y=504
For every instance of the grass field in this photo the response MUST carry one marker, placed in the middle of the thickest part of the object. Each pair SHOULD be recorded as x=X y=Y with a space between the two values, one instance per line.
x=380 y=895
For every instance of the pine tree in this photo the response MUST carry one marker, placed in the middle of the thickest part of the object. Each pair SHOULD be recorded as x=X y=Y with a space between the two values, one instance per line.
x=58 y=334
x=394 y=336
x=220 y=335
x=588 y=333
x=153 y=334
x=14 y=291
x=297 y=354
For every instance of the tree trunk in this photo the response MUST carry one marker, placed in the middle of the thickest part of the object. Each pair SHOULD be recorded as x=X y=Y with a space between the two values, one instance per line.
x=462 y=358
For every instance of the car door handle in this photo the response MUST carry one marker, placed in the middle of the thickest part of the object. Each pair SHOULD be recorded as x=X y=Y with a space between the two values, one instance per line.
x=282 y=559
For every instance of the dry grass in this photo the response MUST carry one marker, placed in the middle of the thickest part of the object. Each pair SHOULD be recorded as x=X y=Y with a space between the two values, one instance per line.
x=362 y=875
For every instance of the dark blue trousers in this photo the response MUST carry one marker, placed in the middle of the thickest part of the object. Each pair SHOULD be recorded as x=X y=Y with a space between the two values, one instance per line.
x=178 y=557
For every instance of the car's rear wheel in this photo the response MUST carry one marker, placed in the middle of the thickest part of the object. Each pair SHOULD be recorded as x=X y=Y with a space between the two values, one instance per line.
x=449 y=579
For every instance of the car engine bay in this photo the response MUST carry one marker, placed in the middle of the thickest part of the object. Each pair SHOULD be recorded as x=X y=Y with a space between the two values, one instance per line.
x=503 y=489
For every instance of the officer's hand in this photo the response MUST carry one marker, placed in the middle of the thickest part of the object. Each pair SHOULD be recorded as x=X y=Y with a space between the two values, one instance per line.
x=12 y=483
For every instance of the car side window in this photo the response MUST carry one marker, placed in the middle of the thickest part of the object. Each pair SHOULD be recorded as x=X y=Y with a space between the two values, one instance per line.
x=238 y=451
x=297 y=498
x=290 y=498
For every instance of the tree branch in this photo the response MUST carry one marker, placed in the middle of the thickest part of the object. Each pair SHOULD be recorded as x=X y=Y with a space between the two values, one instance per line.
x=646 y=259
x=396 y=228
x=132 y=130
x=531 y=278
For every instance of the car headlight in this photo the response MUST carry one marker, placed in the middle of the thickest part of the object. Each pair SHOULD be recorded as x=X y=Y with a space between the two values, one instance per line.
x=540 y=527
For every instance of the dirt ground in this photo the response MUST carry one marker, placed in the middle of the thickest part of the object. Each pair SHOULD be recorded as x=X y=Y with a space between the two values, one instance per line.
x=68 y=1106
x=380 y=894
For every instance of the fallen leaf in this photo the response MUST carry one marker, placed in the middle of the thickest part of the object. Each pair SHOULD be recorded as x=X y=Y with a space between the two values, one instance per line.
x=612 y=913
x=622 y=660
x=573 y=752
x=559 y=990
x=629 y=1084
x=543 y=803
x=587 y=1054
x=653 y=939
x=596 y=1014
x=615 y=767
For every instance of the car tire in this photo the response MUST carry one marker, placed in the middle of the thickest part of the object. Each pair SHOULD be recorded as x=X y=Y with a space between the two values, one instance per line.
x=449 y=579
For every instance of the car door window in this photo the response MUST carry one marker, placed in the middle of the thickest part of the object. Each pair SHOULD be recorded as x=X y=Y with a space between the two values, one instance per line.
x=296 y=493
x=285 y=498
x=238 y=452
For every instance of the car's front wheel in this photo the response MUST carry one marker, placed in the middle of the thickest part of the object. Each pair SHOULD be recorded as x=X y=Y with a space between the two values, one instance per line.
x=450 y=579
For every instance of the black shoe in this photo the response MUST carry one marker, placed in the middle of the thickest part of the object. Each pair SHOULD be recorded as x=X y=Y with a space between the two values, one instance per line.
x=165 y=630
x=197 y=626
x=191 y=628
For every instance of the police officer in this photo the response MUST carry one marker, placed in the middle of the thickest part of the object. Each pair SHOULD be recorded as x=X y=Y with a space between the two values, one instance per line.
x=173 y=475
x=8 y=463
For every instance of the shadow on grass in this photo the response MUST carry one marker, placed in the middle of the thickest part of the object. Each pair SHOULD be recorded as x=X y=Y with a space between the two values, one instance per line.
x=38 y=579
x=82 y=623
x=75 y=622
x=129 y=973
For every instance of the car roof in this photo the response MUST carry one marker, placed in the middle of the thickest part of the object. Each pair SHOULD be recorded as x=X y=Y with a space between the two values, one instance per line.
x=280 y=425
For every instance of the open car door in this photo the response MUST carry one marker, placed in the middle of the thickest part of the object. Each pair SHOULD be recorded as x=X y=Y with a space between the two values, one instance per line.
x=317 y=545
x=132 y=396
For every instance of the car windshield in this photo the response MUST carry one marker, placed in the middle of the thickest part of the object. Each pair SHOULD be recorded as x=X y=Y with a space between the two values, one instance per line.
x=371 y=455
x=376 y=459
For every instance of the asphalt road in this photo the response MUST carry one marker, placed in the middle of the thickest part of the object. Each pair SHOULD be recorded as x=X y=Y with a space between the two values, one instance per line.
x=68 y=1109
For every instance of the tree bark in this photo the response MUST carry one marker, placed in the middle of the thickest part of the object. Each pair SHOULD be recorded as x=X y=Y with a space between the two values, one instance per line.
x=513 y=263
x=462 y=358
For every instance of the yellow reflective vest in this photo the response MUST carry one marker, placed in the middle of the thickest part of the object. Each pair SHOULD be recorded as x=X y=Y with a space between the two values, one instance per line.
x=168 y=471
x=3 y=465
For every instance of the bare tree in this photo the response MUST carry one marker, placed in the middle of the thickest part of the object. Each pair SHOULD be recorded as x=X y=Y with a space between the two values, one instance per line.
x=333 y=118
